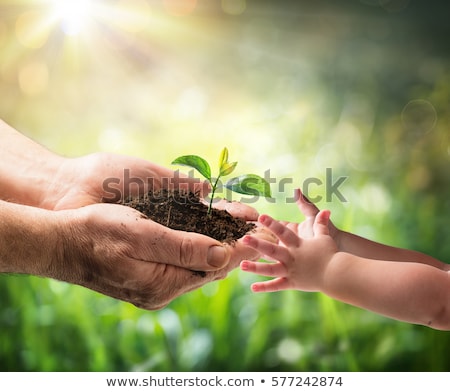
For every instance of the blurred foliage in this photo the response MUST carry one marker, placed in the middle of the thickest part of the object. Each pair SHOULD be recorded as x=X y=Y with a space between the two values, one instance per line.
x=294 y=87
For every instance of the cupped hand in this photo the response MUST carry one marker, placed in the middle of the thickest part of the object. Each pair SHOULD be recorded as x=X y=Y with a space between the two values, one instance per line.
x=111 y=178
x=116 y=251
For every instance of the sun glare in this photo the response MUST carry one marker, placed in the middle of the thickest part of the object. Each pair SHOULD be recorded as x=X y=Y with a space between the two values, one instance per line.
x=73 y=14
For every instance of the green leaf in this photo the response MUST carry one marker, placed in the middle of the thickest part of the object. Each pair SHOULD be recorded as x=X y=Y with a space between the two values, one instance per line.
x=227 y=168
x=249 y=184
x=196 y=162
x=223 y=158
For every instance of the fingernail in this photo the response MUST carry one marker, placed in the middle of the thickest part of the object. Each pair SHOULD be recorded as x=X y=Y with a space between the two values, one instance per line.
x=244 y=265
x=217 y=256
x=262 y=218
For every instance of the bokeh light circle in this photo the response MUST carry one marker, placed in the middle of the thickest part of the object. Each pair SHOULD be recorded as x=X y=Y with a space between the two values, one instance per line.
x=418 y=117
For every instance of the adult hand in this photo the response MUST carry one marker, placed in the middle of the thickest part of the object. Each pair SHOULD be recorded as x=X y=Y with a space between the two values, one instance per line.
x=54 y=182
x=112 y=249
x=111 y=178
x=117 y=251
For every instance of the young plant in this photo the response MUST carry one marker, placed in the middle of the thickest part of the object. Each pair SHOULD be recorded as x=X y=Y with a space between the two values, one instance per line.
x=247 y=184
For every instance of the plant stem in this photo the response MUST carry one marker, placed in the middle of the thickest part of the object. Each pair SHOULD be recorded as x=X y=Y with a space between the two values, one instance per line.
x=213 y=191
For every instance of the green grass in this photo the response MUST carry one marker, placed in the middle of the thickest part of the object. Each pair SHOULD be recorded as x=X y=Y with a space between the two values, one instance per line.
x=223 y=330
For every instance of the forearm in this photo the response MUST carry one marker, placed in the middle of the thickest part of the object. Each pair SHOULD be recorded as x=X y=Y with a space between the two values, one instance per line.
x=359 y=246
x=28 y=239
x=29 y=172
x=408 y=291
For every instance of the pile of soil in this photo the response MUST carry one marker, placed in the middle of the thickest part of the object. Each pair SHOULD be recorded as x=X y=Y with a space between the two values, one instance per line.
x=182 y=210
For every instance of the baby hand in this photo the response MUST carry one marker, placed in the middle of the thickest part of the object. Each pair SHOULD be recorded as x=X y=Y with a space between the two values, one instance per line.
x=296 y=263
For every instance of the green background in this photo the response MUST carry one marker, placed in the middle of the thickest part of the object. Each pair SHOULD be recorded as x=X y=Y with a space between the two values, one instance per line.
x=359 y=87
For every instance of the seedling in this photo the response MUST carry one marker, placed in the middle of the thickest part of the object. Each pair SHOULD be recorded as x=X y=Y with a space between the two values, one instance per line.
x=246 y=184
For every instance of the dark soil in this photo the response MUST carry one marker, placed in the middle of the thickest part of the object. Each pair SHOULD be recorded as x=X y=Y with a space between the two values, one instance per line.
x=181 y=210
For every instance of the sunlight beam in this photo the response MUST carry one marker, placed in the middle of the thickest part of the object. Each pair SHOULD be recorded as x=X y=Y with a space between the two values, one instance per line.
x=73 y=15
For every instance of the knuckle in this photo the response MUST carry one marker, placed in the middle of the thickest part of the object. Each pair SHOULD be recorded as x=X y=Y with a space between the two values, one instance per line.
x=186 y=252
